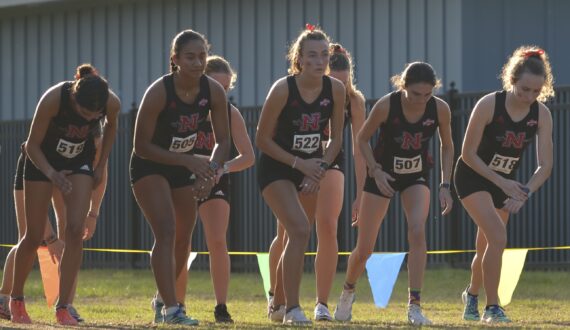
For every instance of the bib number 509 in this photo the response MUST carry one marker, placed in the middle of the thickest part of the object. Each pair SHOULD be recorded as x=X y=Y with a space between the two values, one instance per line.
x=183 y=144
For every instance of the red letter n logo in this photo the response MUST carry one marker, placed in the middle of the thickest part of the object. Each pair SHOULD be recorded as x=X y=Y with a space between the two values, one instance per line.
x=188 y=123
x=75 y=132
x=512 y=140
x=415 y=142
x=310 y=122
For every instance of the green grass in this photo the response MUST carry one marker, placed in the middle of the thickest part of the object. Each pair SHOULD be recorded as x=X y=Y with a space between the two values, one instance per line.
x=121 y=299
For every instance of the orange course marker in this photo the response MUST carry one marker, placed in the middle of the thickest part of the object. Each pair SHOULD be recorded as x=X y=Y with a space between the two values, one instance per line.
x=50 y=275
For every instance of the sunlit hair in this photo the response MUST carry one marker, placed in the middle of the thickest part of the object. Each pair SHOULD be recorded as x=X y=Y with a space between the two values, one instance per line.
x=296 y=49
x=416 y=72
x=218 y=64
x=180 y=40
x=89 y=89
x=341 y=60
x=533 y=60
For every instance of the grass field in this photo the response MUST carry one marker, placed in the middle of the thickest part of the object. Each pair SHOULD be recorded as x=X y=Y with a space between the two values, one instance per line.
x=121 y=299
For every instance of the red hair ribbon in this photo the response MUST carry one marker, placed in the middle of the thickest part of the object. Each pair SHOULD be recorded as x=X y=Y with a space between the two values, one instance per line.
x=530 y=53
x=310 y=27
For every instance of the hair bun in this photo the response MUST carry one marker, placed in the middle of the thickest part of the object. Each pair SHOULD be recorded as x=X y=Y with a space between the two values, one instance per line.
x=84 y=70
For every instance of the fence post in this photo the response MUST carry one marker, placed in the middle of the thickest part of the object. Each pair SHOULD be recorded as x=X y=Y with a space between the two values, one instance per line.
x=135 y=211
x=456 y=133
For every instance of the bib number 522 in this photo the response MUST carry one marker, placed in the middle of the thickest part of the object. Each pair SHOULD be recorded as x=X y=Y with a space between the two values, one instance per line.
x=183 y=144
x=308 y=143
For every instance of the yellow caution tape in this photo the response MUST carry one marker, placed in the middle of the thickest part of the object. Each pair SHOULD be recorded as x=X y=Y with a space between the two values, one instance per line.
x=238 y=253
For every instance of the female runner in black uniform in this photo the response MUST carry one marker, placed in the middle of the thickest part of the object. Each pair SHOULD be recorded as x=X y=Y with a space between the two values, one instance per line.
x=501 y=126
x=214 y=210
x=408 y=119
x=294 y=116
x=330 y=197
x=166 y=176
x=61 y=150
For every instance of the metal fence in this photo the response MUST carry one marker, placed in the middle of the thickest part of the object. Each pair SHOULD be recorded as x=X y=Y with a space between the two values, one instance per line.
x=542 y=222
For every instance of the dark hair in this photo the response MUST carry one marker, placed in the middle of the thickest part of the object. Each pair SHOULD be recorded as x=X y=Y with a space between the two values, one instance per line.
x=341 y=60
x=416 y=72
x=296 y=49
x=218 y=64
x=180 y=40
x=531 y=59
x=90 y=90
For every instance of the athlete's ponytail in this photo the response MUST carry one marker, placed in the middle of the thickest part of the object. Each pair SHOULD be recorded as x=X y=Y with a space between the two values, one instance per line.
x=90 y=90
x=84 y=70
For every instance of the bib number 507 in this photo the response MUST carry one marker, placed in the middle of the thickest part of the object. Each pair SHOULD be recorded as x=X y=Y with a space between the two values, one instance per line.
x=407 y=165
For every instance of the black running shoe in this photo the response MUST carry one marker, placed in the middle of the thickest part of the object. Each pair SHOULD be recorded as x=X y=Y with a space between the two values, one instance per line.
x=221 y=314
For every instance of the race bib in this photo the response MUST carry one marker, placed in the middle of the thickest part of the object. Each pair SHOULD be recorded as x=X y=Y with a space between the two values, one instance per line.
x=308 y=143
x=183 y=144
x=503 y=164
x=407 y=165
x=69 y=149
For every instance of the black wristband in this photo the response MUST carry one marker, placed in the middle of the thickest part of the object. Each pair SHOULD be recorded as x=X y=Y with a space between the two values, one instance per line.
x=214 y=166
x=325 y=166
x=527 y=191
x=445 y=185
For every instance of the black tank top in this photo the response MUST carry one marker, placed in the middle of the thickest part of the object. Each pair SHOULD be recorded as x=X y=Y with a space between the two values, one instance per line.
x=402 y=147
x=69 y=137
x=347 y=118
x=205 y=139
x=300 y=125
x=504 y=140
x=178 y=123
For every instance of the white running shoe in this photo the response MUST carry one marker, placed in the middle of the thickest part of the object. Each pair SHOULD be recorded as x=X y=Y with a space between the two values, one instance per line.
x=296 y=317
x=322 y=313
x=343 y=310
x=277 y=315
x=415 y=316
